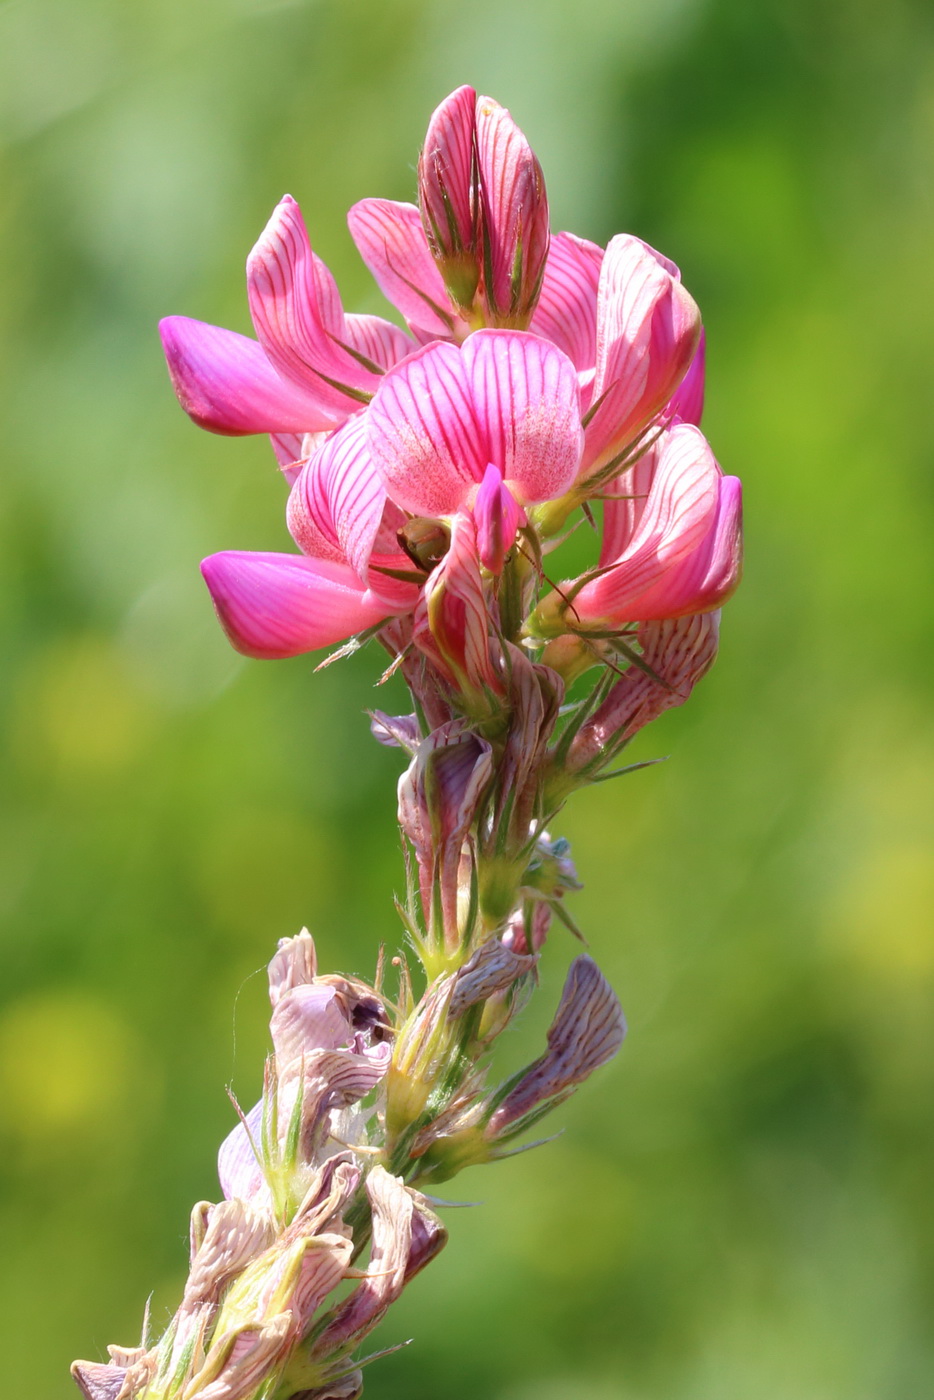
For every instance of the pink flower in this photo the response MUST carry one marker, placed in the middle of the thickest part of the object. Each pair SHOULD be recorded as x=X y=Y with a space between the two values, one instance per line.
x=474 y=251
x=678 y=653
x=491 y=426
x=671 y=549
x=312 y=365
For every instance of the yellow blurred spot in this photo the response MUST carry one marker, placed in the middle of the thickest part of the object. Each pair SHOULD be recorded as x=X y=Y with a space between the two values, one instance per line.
x=884 y=918
x=266 y=871
x=66 y=1067
x=79 y=713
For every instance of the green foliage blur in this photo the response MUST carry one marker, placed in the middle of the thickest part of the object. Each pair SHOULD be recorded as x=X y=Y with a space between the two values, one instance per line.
x=740 y=1207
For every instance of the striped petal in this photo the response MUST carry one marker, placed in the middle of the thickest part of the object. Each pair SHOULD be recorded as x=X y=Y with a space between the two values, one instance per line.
x=588 y=1029
x=423 y=432
x=240 y=1174
x=624 y=504
x=446 y=175
x=225 y=383
x=515 y=214
x=680 y=512
x=687 y=402
x=526 y=400
x=277 y=605
x=647 y=331
x=391 y=241
x=567 y=309
x=336 y=505
x=298 y=317
x=711 y=572
x=377 y=340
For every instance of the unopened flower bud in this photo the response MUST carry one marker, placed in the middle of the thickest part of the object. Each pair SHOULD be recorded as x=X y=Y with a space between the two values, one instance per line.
x=514 y=212
x=439 y=797
x=447 y=195
x=452 y=623
x=497 y=514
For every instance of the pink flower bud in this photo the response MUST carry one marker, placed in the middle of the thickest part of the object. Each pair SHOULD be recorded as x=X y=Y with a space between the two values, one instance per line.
x=447 y=194
x=484 y=210
x=497 y=515
x=452 y=623
x=514 y=214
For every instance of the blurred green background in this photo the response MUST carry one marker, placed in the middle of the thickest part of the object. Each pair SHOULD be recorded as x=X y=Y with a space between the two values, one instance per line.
x=741 y=1206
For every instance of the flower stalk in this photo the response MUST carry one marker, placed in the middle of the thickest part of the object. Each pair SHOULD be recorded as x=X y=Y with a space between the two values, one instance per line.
x=431 y=473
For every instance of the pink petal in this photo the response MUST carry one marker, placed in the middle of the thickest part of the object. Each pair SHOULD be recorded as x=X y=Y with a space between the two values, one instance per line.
x=297 y=313
x=309 y=1017
x=423 y=432
x=687 y=402
x=337 y=502
x=567 y=308
x=239 y=1173
x=446 y=173
x=710 y=573
x=225 y=382
x=497 y=515
x=647 y=331
x=526 y=397
x=680 y=651
x=515 y=212
x=624 y=504
x=391 y=241
x=288 y=448
x=377 y=340
x=277 y=605
x=679 y=513
x=452 y=621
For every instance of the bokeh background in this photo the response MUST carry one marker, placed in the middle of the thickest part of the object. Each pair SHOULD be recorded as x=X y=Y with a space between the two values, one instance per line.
x=741 y=1206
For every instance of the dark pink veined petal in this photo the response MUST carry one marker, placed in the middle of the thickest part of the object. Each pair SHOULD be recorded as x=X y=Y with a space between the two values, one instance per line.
x=710 y=573
x=452 y=621
x=423 y=432
x=624 y=504
x=293 y=450
x=687 y=402
x=680 y=651
x=309 y=518
x=288 y=449
x=446 y=174
x=526 y=399
x=297 y=314
x=514 y=212
x=391 y=241
x=567 y=308
x=497 y=516
x=277 y=605
x=680 y=511
x=338 y=499
x=225 y=383
x=647 y=331
x=377 y=339
x=588 y=1029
